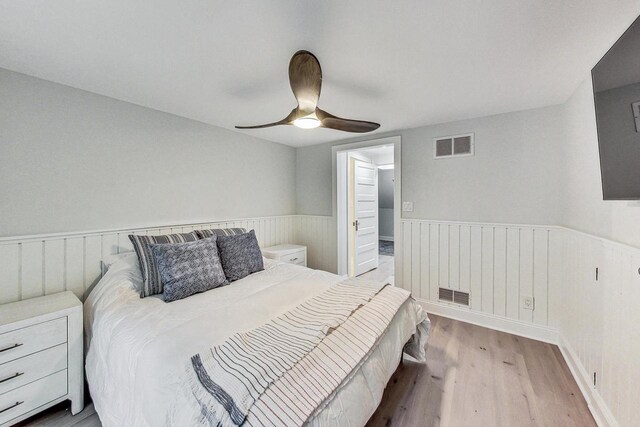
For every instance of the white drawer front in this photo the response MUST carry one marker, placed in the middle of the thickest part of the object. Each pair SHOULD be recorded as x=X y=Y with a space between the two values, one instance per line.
x=24 y=341
x=32 y=395
x=38 y=365
x=294 y=258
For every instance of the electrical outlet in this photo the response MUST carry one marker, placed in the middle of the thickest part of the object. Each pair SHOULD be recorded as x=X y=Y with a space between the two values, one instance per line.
x=407 y=206
x=528 y=303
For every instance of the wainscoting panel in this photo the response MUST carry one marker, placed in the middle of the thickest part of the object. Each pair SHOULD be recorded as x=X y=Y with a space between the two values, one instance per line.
x=319 y=234
x=497 y=264
x=32 y=266
x=600 y=324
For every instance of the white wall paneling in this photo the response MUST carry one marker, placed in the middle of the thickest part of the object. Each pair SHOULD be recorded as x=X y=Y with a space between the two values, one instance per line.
x=497 y=264
x=319 y=234
x=600 y=324
x=595 y=322
x=40 y=265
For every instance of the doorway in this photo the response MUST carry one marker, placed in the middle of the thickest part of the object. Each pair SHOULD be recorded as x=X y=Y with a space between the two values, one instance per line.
x=367 y=201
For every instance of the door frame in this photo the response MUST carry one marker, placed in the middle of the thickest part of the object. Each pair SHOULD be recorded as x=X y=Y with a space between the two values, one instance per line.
x=340 y=194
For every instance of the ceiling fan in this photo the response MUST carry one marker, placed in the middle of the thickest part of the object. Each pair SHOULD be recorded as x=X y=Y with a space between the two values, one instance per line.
x=305 y=77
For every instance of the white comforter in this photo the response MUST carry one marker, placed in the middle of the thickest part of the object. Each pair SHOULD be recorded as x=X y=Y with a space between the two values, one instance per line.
x=138 y=347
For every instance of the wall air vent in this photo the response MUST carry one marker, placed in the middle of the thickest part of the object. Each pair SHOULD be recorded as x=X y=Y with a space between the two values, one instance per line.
x=449 y=295
x=461 y=298
x=453 y=146
x=445 y=294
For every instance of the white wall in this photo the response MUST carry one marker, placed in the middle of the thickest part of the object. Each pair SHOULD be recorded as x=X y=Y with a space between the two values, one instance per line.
x=71 y=160
x=314 y=180
x=582 y=206
x=513 y=178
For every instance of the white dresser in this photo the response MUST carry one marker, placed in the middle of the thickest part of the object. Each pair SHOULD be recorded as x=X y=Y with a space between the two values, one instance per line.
x=292 y=254
x=41 y=356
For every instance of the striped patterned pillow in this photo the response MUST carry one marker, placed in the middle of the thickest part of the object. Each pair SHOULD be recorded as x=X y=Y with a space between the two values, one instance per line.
x=152 y=284
x=203 y=234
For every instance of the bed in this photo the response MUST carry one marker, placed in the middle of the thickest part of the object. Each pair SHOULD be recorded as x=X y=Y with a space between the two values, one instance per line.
x=137 y=347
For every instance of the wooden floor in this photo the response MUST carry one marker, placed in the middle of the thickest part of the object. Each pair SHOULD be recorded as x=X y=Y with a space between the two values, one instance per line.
x=384 y=272
x=60 y=416
x=480 y=377
x=473 y=377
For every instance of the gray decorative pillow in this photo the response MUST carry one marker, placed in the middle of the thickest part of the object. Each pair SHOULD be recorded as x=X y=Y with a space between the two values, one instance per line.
x=240 y=255
x=203 y=234
x=150 y=276
x=188 y=268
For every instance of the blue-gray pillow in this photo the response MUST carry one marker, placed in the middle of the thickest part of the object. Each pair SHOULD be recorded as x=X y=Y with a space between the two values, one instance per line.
x=188 y=268
x=240 y=255
x=152 y=284
x=203 y=234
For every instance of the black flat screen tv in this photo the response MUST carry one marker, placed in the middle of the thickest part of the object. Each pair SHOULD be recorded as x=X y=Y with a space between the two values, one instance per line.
x=616 y=89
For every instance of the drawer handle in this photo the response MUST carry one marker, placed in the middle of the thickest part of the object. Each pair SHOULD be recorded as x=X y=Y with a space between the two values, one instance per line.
x=12 y=406
x=294 y=259
x=16 y=375
x=11 y=347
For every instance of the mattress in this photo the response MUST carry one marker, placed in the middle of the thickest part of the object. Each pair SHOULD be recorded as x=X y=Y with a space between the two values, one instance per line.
x=137 y=348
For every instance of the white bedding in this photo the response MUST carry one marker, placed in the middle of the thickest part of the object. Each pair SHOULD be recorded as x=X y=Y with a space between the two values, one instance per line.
x=138 y=347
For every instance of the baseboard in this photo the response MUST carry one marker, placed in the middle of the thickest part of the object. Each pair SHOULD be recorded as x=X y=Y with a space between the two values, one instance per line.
x=599 y=409
x=491 y=321
x=386 y=238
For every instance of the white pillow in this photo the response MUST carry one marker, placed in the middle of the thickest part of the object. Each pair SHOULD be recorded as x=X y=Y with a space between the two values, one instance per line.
x=109 y=260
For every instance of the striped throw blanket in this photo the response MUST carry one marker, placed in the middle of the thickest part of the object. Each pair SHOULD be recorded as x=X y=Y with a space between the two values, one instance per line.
x=282 y=372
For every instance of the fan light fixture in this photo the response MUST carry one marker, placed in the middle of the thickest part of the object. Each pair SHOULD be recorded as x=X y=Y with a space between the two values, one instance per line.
x=306 y=123
x=305 y=78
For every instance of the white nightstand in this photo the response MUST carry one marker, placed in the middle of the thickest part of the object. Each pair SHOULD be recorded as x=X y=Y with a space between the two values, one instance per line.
x=292 y=254
x=41 y=356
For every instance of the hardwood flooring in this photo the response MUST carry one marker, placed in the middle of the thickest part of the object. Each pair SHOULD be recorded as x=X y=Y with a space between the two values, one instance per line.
x=384 y=272
x=476 y=376
x=473 y=377
x=60 y=416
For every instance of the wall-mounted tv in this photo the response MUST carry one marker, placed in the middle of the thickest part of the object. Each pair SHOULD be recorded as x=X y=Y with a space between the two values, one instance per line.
x=616 y=88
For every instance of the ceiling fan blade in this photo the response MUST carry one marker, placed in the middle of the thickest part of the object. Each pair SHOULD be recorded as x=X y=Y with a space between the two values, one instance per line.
x=286 y=121
x=346 y=125
x=266 y=125
x=305 y=77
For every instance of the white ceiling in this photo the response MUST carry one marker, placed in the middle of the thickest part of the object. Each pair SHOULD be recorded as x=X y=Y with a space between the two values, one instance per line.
x=400 y=63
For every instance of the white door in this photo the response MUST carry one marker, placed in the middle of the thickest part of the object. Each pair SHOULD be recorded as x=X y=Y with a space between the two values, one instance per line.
x=365 y=217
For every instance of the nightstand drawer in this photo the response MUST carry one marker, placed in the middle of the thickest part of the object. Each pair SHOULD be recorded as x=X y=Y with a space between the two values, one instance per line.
x=26 y=369
x=294 y=258
x=24 y=341
x=32 y=395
